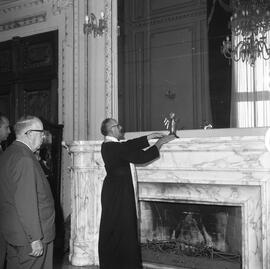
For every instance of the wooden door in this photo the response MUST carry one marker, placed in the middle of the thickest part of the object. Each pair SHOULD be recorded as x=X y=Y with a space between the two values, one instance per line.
x=28 y=77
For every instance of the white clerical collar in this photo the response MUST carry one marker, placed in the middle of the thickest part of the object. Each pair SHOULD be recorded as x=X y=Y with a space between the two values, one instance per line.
x=110 y=138
x=23 y=143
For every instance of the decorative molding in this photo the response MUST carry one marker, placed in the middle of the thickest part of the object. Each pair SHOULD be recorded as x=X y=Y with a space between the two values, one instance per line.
x=65 y=44
x=76 y=71
x=169 y=19
x=59 y=5
x=6 y=2
x=178 y=6
x=38 y=18
x=11 y=6
x=108 y=60
x=63 y=69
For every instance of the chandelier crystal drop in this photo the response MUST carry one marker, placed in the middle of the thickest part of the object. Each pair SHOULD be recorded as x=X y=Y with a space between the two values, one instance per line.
x=249 y=25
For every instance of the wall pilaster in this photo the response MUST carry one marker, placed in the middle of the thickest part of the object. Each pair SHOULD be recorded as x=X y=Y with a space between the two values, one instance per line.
x=86 y=182
x=102 y=72
x=80 y=91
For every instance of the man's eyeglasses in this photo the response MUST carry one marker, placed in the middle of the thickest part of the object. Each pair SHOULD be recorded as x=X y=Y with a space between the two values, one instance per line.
x=115 y=125
x=39 y=131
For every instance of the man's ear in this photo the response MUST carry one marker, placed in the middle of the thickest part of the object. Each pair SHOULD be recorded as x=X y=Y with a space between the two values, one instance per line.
x=109 y=132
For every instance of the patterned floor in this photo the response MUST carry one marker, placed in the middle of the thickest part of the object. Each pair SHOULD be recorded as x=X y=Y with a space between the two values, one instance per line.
x=64 y=264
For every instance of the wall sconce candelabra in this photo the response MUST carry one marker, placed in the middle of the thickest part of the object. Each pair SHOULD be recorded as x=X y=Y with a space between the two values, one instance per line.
x=92 y=25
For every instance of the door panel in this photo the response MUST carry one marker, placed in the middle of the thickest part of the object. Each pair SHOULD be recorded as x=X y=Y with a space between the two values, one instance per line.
x=28 y=77
x=39 y=98
x=171 y=77
x=7 y=101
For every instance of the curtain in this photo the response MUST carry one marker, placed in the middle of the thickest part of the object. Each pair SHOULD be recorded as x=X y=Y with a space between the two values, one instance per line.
x=250 y=103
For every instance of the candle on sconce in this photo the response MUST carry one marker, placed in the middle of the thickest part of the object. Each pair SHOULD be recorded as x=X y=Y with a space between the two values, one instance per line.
x=95 y=25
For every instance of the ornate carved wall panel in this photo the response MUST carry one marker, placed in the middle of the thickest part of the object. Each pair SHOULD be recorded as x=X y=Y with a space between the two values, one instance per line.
x=32 y=101
x=164 y=53
x=39 y=53
x=39 y=98
x=171 y=76
x=138 y=9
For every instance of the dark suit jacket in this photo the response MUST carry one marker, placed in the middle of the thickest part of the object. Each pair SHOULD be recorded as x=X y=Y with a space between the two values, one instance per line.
x=26 y=202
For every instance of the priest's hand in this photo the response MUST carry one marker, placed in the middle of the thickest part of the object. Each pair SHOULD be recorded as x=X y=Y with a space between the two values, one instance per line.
x=155 y=136
x=163 y=140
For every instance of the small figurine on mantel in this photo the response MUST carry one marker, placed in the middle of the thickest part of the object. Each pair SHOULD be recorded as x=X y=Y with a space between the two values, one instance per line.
x=170 y=124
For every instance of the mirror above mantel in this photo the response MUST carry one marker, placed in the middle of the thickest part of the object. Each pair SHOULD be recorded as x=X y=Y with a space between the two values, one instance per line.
x=170 y=60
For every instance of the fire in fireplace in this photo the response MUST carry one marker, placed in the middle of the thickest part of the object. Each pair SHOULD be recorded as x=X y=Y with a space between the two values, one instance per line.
x=191 y=235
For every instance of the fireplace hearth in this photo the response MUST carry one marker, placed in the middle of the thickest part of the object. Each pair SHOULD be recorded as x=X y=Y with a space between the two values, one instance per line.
x=191 y=235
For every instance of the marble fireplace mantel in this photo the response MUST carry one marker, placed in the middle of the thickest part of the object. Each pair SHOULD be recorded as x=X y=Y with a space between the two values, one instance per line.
x=221 y=167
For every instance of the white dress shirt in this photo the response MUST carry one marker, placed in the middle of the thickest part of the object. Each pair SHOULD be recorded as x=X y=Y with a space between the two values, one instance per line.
x=109 y=138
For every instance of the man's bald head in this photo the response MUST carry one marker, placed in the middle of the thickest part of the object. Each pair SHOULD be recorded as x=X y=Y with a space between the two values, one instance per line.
x=29 y=130
x=26 y=123
x=111 y=127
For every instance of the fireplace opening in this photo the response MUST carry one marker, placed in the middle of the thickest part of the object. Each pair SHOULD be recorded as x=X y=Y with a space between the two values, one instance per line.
x=191 y=235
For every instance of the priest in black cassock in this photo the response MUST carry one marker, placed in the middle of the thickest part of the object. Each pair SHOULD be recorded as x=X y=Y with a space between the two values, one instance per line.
x=118 y=237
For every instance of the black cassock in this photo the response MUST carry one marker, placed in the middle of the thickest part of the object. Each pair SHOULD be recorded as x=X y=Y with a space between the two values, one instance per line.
x=118 y=237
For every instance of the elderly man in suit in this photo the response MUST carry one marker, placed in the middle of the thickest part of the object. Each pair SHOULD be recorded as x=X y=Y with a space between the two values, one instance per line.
x=26 y=202
x=4 y=133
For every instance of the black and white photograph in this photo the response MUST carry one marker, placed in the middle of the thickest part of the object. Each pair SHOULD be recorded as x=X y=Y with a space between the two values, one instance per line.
x=134 y=134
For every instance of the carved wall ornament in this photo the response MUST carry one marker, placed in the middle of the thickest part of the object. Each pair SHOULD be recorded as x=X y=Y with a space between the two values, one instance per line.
x=108 y=60
x=76 y=72
x=5 y=2
x=32 y=101
x=23 y=22
x=59 y=5
x=37 y=55
x=11 y=6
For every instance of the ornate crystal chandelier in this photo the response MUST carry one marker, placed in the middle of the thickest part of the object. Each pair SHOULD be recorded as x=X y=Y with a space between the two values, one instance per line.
x=249 y=24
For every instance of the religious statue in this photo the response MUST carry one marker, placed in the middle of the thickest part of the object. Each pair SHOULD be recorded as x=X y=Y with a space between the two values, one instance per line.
x=170 y=124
